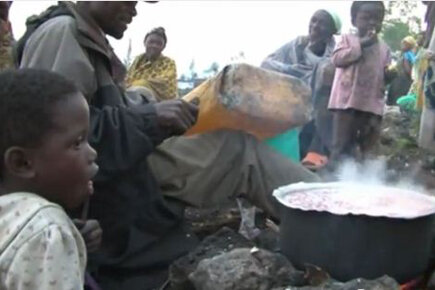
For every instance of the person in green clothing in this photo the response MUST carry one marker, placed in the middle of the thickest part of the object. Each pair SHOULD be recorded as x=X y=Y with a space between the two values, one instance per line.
x=308 y=58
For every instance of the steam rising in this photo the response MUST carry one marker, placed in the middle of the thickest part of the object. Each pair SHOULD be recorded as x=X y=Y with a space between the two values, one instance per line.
x=375 y=173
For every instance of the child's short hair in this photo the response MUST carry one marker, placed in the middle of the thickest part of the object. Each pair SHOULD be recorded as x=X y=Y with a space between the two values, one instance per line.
x=27 y=97
x=356 y=5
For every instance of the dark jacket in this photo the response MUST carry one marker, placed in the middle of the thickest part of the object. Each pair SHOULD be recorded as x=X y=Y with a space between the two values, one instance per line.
x=143 y=234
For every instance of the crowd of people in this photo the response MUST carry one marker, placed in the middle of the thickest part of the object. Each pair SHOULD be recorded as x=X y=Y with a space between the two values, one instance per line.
x=96 y=172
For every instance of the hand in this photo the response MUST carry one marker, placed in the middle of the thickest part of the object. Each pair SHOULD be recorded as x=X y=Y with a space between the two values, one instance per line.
x=91 y=233
x=328 y=73
x=369 y=39
x=177 y=116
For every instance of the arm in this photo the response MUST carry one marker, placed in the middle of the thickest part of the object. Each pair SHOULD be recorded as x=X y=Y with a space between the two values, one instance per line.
x=122 y=136
x=6 y=42
x=347 y=52
x=389 y=73
x=280 y=61
x=407 y=66
x=408 y=62
x=412 y=57
x=51 y=259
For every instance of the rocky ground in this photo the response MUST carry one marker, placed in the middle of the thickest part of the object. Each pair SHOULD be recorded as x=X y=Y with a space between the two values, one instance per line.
x=227 y=260
x=398 y=145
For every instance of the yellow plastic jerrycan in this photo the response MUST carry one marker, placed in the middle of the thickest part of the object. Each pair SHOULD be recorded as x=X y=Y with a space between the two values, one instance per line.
x=243 y=97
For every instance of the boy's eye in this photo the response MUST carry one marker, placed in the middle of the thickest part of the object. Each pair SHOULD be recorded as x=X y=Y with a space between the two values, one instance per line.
x=78 y=142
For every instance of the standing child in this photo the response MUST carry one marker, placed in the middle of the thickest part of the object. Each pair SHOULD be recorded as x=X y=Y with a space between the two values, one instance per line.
x=358 y=92
x=47 y=165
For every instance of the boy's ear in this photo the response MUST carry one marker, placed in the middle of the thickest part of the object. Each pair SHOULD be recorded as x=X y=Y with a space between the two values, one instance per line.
x=18 y=162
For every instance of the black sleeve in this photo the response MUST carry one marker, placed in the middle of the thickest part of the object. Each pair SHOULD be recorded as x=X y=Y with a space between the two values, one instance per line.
x=123 y=137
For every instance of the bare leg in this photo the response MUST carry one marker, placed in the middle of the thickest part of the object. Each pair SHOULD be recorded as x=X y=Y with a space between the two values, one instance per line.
x=369 y=133
x=343 y=136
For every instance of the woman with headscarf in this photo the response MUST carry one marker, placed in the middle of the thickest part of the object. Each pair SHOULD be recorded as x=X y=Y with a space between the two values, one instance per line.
x=153 y=70
x=308 y=58
x=400 y=85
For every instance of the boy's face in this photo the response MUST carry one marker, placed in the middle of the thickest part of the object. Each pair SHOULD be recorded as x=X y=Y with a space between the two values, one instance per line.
x=65 y=163
x=369 y=17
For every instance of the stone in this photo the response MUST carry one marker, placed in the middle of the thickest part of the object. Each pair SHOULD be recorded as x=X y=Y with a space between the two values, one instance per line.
x=207 y=221
x=222 y=241
x=382 y=283
x=245 y=269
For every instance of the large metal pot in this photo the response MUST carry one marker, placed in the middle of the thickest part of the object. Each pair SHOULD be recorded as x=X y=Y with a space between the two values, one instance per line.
x=350 y=240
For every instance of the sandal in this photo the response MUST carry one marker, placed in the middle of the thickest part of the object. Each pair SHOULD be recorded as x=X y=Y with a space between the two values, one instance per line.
x=314 y=161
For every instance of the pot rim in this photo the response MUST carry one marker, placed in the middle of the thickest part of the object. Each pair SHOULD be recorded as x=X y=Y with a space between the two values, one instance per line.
x=333 y=207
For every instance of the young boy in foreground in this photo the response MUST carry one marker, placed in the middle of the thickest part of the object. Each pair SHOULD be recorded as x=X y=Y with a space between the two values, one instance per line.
x=46 y=167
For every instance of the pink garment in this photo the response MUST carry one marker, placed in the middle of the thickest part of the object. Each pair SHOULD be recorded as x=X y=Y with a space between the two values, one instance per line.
x=359 y=78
